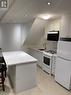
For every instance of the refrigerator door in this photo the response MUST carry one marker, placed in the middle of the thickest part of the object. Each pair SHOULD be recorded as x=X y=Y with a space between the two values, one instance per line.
x=63 y=72
x=64 y=49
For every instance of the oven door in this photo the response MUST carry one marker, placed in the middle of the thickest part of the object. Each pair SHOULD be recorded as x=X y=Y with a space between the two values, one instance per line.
x=47 y=60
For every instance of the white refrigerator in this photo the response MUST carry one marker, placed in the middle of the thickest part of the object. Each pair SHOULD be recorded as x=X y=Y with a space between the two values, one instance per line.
x=63 y=63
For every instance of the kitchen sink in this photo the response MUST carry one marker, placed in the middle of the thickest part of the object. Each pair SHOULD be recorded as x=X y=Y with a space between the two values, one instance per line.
x=41 y=49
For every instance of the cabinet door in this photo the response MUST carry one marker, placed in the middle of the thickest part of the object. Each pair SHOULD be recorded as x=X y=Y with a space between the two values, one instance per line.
x=39 y=56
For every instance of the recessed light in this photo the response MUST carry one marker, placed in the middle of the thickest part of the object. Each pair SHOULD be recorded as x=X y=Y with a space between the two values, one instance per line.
x=45 y=16
x=49 y=3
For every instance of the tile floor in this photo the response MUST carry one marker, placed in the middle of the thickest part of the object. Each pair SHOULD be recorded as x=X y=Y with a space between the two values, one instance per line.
x=46 y=85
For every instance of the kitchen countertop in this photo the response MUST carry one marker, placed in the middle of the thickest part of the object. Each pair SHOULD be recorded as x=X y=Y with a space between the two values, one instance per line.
x=39 y=50
x=18 y=57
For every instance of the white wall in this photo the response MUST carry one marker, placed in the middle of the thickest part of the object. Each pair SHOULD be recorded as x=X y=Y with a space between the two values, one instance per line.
x=10 y=37
x=52 y=25
x=25 y=32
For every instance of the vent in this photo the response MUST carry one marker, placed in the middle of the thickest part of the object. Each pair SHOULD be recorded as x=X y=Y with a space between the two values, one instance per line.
x=3 y=4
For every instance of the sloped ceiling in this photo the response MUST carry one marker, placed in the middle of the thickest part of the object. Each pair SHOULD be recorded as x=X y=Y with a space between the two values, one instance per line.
x=36 y=32
x=23 y=11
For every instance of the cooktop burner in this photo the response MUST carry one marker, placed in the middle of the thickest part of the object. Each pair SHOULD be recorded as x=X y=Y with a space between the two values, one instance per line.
x=52 y=51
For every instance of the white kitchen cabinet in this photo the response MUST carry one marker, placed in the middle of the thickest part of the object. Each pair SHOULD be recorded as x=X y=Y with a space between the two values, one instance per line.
x=38 y=55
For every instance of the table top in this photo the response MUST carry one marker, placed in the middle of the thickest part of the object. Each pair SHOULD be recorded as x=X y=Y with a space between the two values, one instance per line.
x=18 y=57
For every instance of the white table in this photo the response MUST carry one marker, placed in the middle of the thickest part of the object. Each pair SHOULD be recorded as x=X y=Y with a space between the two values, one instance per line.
x=21 y=70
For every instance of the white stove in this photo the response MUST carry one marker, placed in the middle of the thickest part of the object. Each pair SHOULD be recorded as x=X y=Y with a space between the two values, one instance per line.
x=49 y=58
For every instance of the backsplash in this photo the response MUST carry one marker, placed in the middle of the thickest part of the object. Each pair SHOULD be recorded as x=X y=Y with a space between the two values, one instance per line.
x=51 y=45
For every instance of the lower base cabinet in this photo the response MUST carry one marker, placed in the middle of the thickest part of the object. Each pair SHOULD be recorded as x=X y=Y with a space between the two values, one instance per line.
x=38 y=55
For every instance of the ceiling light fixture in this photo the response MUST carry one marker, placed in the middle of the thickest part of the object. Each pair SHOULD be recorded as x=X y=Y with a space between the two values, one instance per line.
x=45 y=16
x=49 y=3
